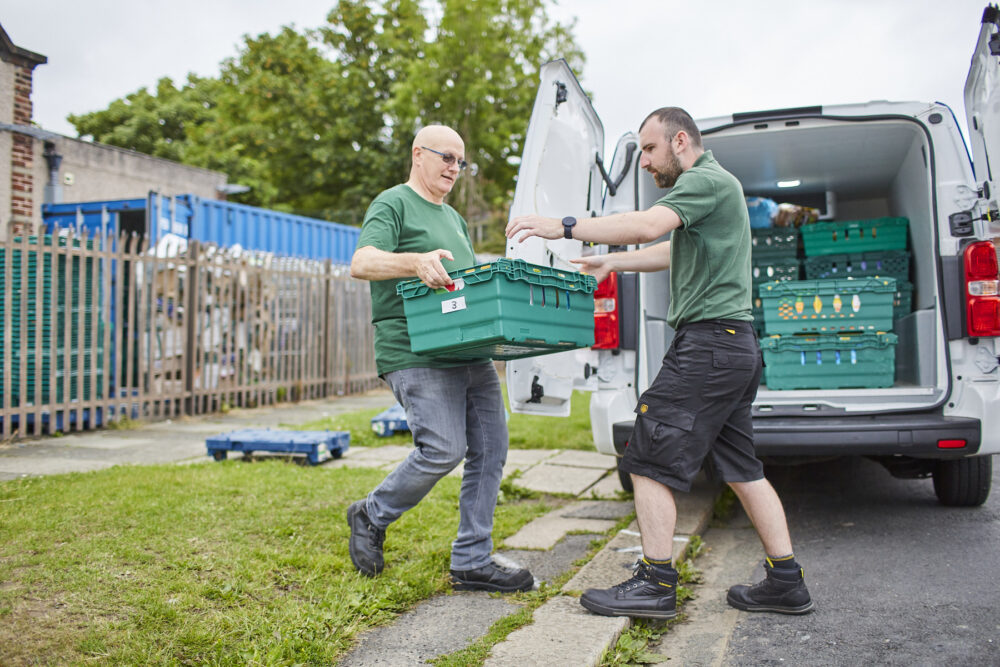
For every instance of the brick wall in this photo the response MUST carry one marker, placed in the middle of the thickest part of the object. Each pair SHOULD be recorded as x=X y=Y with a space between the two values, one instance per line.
x=22 y=181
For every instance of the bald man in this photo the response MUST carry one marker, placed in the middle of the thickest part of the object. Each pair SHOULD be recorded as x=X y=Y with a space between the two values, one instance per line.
x=453 y=408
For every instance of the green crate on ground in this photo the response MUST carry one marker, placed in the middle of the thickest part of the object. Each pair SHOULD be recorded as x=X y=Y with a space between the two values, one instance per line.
x=902 y=302
x=828 y=306
x=768 y=269
x=774 y=242
x=830 y=361
x=834 y=238
x=506 y=309
x=890 y=263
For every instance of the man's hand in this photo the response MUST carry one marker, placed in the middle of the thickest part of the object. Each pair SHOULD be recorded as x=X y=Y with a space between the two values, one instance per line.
x=428 y=267
x=598 y=266
x=524 y=226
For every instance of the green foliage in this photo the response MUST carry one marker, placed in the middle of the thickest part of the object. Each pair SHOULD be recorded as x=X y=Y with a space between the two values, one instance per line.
x=216 y=563
x=318 y=122
x=632 y=647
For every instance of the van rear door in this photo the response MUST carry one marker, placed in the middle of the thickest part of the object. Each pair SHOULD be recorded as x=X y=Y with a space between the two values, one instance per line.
x=982 y=108
x=559 y=176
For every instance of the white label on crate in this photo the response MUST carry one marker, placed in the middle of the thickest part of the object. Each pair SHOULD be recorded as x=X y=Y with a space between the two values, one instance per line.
x=453 y=305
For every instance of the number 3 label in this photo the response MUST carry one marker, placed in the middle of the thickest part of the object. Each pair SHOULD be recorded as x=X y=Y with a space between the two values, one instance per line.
x=453 y=305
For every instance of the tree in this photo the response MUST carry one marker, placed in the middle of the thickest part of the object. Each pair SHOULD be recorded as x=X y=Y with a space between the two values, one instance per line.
x=318 y=122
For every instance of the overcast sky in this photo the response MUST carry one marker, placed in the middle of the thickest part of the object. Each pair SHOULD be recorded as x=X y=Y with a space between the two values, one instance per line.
x=713 y=58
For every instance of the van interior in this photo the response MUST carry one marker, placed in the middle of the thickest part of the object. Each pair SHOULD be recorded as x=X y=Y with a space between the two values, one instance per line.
x=851 y=170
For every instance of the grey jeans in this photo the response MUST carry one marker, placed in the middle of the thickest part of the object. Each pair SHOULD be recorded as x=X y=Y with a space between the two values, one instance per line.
x=454 y=414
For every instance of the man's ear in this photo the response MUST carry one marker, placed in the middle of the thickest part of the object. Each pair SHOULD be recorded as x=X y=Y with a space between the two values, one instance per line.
x=682 y=139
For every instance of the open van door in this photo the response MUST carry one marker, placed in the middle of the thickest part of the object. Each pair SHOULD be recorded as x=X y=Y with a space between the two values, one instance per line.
x=982 y=108
x=560 y=175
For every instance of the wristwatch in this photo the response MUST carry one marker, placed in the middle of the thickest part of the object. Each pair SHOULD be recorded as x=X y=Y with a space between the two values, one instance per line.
x=568 y=223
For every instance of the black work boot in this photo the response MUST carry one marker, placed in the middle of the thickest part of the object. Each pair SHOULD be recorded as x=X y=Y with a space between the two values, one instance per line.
x=646 y=595
x=782 y=590
x=492 y=577
x=365 y=545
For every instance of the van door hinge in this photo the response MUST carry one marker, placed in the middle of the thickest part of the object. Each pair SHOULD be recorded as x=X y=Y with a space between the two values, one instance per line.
x=562 y=93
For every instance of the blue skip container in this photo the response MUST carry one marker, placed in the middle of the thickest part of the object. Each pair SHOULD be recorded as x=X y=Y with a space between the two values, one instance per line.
x=318 y=446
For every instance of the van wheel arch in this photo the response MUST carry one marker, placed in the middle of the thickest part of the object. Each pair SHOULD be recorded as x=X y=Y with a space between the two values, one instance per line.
x=963 y=482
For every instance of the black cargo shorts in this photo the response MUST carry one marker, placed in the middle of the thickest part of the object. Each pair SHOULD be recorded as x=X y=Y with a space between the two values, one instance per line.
x=698 y=406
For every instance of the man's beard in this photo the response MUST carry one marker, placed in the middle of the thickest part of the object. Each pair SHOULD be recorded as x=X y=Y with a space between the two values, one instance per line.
x=668 y=177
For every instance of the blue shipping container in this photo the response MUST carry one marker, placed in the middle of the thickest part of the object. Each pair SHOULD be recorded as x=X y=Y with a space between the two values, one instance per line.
x=210 y=220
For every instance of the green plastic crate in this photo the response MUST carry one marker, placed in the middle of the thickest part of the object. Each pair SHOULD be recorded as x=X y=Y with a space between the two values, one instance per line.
x=774 y=268
x=830 y=361
x=834 y=238
x=773 y=242
x=891 y=263
x=828 y=306
x=506 y=309
x=902 y=302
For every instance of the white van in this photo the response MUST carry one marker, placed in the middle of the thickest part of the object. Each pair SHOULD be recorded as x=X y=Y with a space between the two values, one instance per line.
x=859 y=161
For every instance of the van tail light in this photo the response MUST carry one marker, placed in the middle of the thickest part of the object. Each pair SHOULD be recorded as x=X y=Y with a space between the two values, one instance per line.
x=982 y=290
x=606 y=314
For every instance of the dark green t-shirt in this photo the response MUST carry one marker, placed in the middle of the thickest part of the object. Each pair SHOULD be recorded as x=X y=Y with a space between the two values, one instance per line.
x=710 y=252
x=399 y=220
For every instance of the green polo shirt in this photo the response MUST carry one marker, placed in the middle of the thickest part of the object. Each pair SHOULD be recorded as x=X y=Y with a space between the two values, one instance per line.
x=399 y=220
x=710 y=252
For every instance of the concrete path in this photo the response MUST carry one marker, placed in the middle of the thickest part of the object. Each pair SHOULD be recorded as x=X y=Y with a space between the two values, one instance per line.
x=561 y=632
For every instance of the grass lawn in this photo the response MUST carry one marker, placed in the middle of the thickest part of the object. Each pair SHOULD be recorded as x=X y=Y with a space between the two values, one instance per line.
x=215 y=563
x=526 y=431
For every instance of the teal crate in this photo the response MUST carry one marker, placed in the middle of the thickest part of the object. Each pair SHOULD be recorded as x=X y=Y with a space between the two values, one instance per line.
x=828 y=306
x=830 y=361
x=902 y=302
x=890 y=263
x=834 y=238
x=506 y=309
x=769 y=269
x=774 y=242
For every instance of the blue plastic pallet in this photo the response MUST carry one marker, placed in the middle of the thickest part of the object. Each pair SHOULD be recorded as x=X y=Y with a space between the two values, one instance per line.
x=318 y=446
x=390 y=421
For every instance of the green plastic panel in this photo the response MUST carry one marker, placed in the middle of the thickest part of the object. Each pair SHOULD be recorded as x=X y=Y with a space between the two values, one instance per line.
x=506 y=309
x=888 y=263
x=832 y=238
x=828 y=306
x=830 y=361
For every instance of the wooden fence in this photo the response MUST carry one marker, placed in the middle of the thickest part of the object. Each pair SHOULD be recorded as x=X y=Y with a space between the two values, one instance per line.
x=98 y=328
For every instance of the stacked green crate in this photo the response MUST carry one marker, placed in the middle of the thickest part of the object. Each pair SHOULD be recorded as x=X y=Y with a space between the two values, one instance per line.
x=830 y=331
x=774 y=256
x=79 y=277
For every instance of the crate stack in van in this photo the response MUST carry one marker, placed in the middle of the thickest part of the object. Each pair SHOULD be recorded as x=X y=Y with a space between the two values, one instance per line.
x=833 y=330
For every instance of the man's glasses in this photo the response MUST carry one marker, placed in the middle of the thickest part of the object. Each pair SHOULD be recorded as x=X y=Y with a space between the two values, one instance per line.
x=449 y=159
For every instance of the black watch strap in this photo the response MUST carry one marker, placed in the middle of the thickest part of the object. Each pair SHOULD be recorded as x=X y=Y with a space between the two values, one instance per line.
x=568 y=223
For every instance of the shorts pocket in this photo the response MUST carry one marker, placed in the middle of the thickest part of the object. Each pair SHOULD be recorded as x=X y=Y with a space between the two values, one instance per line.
x=666 y=413
x=740 y=360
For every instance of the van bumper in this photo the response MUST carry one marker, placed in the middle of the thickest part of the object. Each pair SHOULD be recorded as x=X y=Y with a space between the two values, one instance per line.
x=915 y=435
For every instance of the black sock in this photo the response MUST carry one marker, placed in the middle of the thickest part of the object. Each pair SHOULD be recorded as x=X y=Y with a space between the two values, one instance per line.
x=786 y=563
x=660 y=567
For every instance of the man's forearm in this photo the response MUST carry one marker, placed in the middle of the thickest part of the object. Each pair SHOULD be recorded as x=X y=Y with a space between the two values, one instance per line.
x=370 y=263
x=652 y=258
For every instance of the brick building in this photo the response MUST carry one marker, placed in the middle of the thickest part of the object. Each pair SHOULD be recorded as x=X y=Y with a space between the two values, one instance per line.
x=37 y=166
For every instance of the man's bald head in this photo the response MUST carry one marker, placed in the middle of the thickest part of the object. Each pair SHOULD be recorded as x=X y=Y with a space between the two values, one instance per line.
x=435 y=134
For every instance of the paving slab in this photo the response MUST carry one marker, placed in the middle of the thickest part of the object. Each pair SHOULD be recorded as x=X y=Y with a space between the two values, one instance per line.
x=441 y=625
x=607 y=487
x=563 y=634
x=545 y=531
x=559 y=479
x=598 y=509
x=50 y=465
x=583 y=459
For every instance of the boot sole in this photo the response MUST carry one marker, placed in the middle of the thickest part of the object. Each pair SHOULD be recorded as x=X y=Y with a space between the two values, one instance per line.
x=458 y=585
x=777 y=609
x=609 y=611
x=368 y=572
